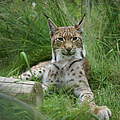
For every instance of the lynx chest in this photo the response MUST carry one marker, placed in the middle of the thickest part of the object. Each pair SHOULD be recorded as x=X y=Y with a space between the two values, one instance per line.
x=65 y=73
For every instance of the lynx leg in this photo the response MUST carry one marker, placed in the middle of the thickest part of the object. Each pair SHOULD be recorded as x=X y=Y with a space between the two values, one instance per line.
x=36 y=71
x=84 y=93
x=28 y=75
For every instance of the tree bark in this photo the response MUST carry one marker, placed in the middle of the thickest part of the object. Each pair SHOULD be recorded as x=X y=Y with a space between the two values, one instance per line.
x=27 y=91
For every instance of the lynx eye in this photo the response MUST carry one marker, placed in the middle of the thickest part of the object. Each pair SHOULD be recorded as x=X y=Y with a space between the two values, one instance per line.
x=75 y=38
x=60 y=39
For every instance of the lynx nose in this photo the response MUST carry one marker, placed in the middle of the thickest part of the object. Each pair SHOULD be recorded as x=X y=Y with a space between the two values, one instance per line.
x=69 y=49
x=68 y=46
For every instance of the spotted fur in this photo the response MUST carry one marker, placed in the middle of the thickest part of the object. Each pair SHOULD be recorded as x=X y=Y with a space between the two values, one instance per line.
x=67 y=68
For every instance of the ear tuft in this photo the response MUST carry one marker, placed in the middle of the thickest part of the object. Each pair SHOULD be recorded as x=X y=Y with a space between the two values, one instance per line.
x=82 y=20
x=52 y=26
x=79 y=26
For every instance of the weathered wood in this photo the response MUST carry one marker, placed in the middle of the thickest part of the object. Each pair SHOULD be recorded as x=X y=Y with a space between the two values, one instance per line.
x=28 y=91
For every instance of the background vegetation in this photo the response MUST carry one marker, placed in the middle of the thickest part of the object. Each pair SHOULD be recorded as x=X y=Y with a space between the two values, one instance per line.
x=23 y=28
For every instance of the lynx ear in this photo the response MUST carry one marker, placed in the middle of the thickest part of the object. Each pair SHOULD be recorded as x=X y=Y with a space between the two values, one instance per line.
x=52 y=26
x=79 y=26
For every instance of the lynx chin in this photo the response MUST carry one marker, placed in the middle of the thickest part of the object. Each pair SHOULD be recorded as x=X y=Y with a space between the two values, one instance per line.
x=68 y=67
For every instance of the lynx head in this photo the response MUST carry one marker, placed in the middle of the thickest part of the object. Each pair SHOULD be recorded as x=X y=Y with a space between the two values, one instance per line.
x=66 y=42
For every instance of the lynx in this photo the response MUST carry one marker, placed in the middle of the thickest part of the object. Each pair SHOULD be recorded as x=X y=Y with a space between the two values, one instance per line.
x=67 y=67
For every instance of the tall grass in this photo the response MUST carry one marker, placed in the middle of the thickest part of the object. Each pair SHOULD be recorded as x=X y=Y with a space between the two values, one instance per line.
x=102 y=43
x=19 y=29
x=23 y=28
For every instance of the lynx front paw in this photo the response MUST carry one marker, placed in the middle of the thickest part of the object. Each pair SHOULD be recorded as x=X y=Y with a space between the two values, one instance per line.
x=102 y=112
x=25 y=76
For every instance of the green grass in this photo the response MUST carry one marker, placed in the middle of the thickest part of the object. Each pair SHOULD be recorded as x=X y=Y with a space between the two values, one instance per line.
x=24 y=29
x=63 y=107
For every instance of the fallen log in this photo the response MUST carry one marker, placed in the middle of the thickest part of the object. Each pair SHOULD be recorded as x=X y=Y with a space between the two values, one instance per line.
x=27 y=91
